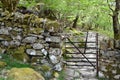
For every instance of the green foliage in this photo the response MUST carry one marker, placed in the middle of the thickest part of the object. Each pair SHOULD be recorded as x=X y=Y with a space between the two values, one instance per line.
x=2 y=79
x=105 y=32
x=12 y=62
x=102 y=79
x=61 y=75
x=5 y=79
x=27 y=3
x=93 y=13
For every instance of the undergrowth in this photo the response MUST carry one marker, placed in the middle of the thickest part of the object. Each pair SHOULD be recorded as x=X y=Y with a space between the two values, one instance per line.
x=61 y=75
x=105 y=32
x=102 y=79
x=11 y=62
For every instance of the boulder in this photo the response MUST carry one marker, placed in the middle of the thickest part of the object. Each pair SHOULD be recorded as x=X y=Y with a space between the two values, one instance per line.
x=24 y=74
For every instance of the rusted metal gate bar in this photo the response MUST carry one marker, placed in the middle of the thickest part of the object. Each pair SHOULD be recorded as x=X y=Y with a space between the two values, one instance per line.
x=86 y=43
x=97 y=54
x=81 y=52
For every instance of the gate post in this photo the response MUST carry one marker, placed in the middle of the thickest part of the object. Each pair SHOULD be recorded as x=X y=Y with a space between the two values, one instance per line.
x=97 y=56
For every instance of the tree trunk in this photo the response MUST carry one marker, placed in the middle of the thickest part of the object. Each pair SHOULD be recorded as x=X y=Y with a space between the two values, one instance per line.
x=75 y=21
x=116 y=25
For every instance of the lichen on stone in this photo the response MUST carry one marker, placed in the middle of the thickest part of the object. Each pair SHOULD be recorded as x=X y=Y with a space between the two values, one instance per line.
x=24 y=74
x=36 y=30
x=19 y=53
x=45 y=68
x=52 y=26
x=6 y=37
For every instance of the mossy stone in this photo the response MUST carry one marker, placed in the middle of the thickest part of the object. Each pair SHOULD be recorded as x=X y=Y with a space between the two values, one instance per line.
x=45 y=68
x=24 y=74
x=26 y=19
x=8 y=23
x=28 y=46
x=14 y=33
x=56 y=74
x=52 y=26
x=36 y=30
x=6 y=37
x=19 y=53
x=2 y=64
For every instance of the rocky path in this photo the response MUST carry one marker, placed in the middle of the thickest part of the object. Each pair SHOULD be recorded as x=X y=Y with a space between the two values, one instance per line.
x=83 y=72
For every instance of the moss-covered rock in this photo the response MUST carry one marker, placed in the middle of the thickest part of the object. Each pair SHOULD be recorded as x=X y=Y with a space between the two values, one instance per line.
x=8 y=23
x=45 y=68
x=24 y=74
x=56 y=74
x=2 y=64
x=6 y=37
x=36 y=30
x=38 y=21
x=19 y=53
x=13 y=32
x=52 y=26
x=26 y=19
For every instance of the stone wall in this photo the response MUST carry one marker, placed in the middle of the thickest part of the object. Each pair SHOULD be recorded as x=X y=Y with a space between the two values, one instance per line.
x=110 y=59
x=31 y=39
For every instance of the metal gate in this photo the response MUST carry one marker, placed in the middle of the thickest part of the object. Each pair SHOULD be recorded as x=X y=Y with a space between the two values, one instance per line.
x=82 y=51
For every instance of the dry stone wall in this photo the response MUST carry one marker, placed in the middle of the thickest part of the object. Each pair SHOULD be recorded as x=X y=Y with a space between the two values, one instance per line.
x=110 y=59
x=31 y=39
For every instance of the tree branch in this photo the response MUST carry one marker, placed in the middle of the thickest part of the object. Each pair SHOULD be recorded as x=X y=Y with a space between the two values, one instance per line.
x=109 y=6
x=110 y=14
